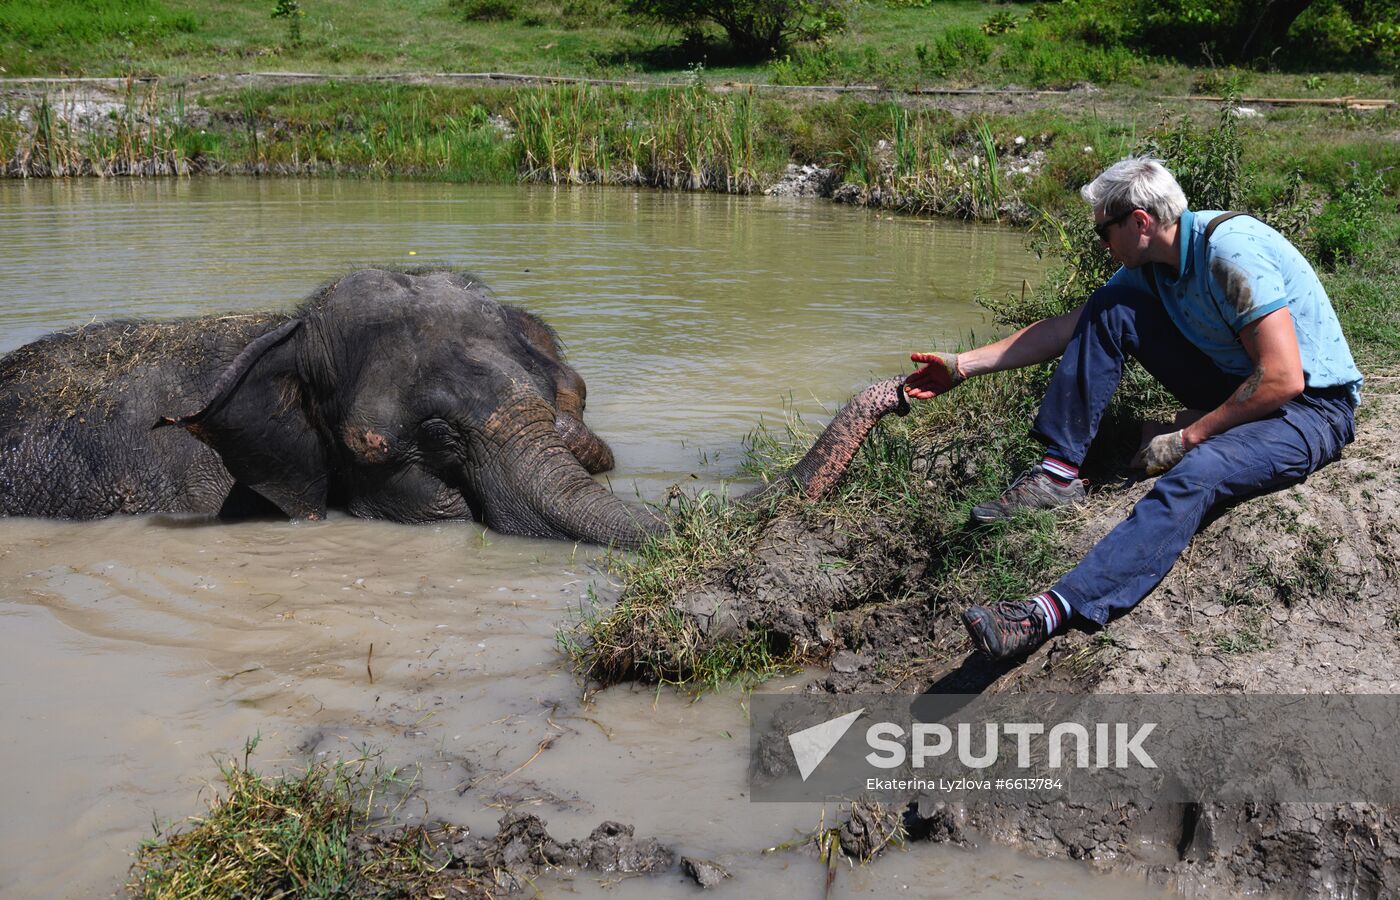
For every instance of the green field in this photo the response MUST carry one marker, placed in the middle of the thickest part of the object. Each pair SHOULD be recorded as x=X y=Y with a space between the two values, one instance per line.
x=895 y=44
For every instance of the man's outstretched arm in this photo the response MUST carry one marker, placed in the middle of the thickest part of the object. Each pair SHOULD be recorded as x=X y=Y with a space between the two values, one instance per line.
x=1036 y=343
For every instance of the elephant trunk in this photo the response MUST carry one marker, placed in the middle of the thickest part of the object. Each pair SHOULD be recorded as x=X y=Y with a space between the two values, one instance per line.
x=543 y=490
x=819 y=470
x=534 y=485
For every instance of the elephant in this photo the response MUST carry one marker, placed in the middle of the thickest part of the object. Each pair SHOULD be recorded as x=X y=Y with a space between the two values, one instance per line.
x=407 y=395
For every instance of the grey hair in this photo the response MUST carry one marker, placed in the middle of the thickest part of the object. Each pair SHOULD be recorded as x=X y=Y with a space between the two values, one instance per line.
x=1137 y=182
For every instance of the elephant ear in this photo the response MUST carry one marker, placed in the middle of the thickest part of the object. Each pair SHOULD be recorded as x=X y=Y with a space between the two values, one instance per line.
x=256 y=423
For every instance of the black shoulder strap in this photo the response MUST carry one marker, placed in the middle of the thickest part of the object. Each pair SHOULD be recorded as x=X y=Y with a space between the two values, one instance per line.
x=1217 y=222
x=1205 y=251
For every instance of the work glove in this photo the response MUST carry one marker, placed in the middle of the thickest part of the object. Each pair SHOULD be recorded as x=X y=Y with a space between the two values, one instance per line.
x=1161 y=453
x=939 y=375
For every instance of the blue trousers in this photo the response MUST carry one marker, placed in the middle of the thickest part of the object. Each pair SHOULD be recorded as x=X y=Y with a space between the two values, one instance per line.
x=1279 y=449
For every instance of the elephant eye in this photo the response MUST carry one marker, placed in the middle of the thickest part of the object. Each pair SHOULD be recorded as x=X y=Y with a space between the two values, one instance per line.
x=437 y=433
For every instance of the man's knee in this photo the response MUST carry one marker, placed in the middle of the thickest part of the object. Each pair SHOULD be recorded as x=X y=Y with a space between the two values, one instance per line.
x=1116 y=306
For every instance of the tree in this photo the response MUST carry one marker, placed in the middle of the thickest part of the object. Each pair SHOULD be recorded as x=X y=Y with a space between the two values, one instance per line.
x=757 y=28
x=1310 y=32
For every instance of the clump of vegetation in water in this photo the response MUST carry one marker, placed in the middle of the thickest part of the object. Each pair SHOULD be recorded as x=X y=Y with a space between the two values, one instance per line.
x=614 y=642
x=289 y=836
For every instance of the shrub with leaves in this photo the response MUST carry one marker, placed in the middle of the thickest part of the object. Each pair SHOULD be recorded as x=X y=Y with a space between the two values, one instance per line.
x=291 y=11
x=486 y=10
x=1348 y=224
x=755 y=28
x=1288 y=32
x=999 y=23
x=1208 y=164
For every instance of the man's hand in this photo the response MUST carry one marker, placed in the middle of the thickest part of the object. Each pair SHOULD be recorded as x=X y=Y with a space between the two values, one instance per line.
x=939 y=375
x=1161 y=453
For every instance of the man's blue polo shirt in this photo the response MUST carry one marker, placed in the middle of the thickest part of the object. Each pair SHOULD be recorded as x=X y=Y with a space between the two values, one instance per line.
x=1248 y=271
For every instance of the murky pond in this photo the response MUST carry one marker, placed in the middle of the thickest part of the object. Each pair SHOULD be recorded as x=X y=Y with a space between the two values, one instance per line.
x=133 y=650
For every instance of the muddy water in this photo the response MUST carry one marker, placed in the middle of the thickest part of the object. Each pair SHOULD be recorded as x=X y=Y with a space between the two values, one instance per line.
x=131 y=651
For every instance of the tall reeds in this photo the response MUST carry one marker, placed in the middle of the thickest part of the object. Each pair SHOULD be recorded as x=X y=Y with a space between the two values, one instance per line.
x=688 y=138
x=913 y=170
x=138 y=135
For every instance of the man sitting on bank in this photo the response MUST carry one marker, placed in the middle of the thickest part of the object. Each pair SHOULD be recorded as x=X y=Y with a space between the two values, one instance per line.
x=1231 y=319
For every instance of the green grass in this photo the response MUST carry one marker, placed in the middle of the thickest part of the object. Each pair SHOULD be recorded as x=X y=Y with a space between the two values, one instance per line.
x=68 y=25
x=294 y=835
x=642 y=636
x=900 y=46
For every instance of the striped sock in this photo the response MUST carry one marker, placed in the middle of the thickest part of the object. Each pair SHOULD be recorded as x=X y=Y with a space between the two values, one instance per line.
x=1055 y=608
x=1059 y=471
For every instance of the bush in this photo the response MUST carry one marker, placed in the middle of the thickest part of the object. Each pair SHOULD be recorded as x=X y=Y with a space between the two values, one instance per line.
x=756 y=28
x=486 y=10
x=1309 y=32
x=959 y=47
x=1331 y=31
x=1347 y=226
x=1207 y=164
x=807 y=65
x=1032 y=54
x=999 y=23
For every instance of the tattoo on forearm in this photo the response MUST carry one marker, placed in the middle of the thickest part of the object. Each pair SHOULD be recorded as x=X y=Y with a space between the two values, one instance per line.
x=1251 y=384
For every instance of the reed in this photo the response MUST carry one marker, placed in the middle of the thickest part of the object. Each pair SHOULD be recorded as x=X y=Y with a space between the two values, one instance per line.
x=685 y=138
x=986 y=175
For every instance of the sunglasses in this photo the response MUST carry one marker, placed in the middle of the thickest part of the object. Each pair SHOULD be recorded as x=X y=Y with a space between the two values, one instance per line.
x=1101 y=229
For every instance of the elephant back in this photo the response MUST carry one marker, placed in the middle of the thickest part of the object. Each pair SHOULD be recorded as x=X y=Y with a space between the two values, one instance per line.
x=76 y=410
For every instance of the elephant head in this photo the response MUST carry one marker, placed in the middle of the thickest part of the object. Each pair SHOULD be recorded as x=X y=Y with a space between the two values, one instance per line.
x=417 y=397
x=412 y=397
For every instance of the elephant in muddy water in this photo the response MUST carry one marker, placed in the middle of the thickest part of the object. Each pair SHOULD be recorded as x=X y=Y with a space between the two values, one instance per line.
x=409 y=396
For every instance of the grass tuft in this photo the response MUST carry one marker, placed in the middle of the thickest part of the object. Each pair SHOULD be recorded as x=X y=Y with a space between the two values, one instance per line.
x=295 y=835
x=642 y=635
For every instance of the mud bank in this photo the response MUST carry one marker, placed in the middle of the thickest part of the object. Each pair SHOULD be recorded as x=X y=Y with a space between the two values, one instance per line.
x=1291 y=592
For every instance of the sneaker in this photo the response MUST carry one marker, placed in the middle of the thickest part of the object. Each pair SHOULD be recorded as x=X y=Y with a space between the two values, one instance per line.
x=1032 y=489
x=1006 y=629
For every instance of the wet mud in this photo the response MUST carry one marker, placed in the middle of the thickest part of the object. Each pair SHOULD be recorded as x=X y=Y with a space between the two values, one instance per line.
x=521 y=850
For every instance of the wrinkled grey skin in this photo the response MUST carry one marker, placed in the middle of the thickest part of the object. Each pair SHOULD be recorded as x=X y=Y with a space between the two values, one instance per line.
x=413 y=397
